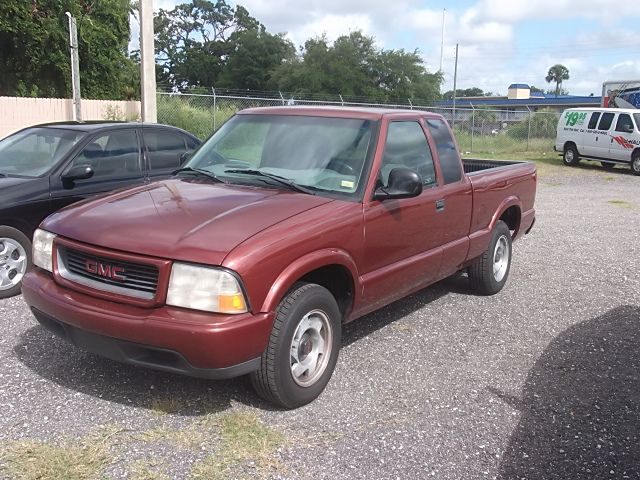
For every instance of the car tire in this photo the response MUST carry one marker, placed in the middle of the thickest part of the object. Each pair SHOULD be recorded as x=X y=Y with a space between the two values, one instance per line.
x=303 y=347
x=635 y=163
x=15 y=260
x=608 y=166
x=490 y=272
x=570 y=156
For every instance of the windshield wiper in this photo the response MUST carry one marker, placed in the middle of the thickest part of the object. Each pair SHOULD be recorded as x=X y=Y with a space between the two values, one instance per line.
x=199 y=171
x=281 y=180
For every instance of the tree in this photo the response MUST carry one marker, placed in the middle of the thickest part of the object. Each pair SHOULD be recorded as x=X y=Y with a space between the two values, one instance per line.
x=462 y=93
x=557 y=74
x=35 y=48
x=353 y=67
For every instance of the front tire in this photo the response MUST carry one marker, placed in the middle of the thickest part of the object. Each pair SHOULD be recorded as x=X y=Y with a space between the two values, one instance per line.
x=490 y=272
x=570 y=156
x=15 y=260
x=635 y=163
x=303 y=347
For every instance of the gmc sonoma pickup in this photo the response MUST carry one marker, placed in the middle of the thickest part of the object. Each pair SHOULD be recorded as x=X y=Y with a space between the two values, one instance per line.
x=287 y=223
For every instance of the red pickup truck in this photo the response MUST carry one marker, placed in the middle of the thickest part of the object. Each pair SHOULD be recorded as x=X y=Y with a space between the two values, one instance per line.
x=286 y=224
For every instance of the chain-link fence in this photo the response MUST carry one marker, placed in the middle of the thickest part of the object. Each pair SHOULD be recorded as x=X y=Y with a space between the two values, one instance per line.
x=478 y=130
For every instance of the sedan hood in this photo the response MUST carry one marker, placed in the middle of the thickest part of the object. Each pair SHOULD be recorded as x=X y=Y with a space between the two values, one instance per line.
x=182 y=219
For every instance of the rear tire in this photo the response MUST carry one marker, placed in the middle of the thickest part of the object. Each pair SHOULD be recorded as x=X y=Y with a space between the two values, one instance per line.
x=635 y=163
x=303 y=347
x=15 y=260
x=490 y=272
x=570 y=156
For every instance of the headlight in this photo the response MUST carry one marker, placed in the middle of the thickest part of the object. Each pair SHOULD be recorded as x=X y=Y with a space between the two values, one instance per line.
x=204 y=288
x=42 y=249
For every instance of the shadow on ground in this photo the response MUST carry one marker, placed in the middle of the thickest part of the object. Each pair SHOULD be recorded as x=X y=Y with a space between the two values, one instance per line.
x=58 y=361
x=580 y=411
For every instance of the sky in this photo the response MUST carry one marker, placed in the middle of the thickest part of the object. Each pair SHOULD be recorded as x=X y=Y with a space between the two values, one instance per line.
x=500 y=41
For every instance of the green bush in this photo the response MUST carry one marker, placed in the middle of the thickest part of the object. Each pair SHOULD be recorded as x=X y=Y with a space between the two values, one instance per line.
x=543 y=125
x=193 y=114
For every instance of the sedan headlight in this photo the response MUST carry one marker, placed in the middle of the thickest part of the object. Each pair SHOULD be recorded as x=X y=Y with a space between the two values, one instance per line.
x=43 y=249
x=205 y=288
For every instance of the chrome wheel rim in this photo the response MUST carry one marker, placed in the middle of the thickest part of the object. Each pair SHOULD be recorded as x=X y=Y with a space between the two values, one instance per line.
x=636 y=164
x=500 y=258
x=311 y=348
x=568 y=156
x=13 y=263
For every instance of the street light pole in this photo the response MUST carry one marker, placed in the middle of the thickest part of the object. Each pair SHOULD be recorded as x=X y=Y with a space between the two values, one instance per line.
x=147 y=63
x=75 y=68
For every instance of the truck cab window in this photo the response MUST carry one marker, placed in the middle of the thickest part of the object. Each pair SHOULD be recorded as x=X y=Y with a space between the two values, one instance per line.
x=447 y=151
x=407 y=146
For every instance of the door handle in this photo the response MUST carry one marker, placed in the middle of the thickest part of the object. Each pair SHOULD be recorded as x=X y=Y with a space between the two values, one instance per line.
x=440 y=205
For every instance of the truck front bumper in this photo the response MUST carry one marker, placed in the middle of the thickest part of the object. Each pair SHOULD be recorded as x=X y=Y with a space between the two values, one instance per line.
x=176 y=340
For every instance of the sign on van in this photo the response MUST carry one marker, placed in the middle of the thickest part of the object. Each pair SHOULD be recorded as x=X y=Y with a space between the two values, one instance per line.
x=574 y=118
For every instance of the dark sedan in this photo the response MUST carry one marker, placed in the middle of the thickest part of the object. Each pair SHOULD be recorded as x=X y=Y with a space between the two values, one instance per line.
x=47 y=167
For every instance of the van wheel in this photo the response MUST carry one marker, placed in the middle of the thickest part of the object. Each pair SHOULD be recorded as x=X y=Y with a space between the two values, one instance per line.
x=635 y=163
x=570 y=155
x=490 y=272
x=15 y=259
x=303 y=348
x=608 y=166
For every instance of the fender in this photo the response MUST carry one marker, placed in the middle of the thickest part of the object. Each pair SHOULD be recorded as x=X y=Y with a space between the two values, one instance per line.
x=479 y=240
x=308 y=263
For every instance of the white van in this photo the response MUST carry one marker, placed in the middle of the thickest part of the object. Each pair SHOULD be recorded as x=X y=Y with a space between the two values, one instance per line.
x=608 y=135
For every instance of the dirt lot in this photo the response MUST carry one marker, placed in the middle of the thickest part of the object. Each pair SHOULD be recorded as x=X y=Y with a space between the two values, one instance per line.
x=539 y=381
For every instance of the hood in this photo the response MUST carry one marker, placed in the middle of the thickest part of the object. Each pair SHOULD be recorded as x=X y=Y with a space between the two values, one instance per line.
x=182 y=219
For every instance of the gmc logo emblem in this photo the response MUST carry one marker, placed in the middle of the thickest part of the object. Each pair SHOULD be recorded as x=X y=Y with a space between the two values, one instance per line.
x=103 y=270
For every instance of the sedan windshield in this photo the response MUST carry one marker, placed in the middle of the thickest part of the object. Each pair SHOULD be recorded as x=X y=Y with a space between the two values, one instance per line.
x=316 y=155
x=34 y=151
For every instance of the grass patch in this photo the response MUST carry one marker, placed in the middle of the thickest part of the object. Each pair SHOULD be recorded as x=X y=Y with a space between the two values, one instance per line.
x=163 y=406
x=621 y=203
x=246 y=443
x=77 y=459
x=146 y=470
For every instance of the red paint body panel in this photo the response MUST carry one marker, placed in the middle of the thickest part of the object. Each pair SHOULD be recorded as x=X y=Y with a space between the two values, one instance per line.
x=271 y=238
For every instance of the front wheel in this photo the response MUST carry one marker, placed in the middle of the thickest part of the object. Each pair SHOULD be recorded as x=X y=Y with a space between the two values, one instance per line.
x=490 y=272
x=303 y=348
x=635 y=163
x=15 y=259
x=570 y=155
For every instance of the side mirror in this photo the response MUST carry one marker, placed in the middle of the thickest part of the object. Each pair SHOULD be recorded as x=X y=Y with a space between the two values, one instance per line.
x=403 y=183
x=78 y=172
x=185 y=156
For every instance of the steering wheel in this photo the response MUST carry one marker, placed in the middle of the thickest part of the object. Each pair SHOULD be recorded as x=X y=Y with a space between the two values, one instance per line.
x=340 y=165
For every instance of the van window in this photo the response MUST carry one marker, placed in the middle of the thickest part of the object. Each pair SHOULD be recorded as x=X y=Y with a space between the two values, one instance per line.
x=637 y=117
x=624 y=123
x=594 y=120
x=606 y=121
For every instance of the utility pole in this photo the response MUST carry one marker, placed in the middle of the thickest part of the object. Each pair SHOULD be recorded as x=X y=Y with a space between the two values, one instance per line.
x=442 y=40
x=147 y=63
x=455 y=83
x=75 y=68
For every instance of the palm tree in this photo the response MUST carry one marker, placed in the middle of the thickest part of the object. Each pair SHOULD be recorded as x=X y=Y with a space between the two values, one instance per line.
x=557 y=74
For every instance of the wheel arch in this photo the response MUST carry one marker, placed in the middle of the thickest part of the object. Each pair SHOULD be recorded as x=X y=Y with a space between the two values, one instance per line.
x=510 y=212
x=334 y=269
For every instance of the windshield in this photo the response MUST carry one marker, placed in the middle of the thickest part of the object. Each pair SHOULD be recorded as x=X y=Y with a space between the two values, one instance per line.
x=34 y=151
x=320 y=154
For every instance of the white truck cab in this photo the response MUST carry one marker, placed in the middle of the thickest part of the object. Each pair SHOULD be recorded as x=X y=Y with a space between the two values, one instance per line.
x=608 y=135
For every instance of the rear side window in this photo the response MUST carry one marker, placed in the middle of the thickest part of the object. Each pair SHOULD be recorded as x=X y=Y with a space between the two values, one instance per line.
x=606 y=121
x=164 y=148
x=447 y=152
x=593 y=122
x=624 y=123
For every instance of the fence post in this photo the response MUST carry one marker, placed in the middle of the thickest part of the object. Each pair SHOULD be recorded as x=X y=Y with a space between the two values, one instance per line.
x=215 y=110
x=410 y=104
x=529 y=129
x=473 y=123
x=281 y=97
x=341 y=99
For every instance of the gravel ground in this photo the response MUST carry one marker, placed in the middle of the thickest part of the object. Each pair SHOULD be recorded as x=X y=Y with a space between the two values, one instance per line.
x=539 y=381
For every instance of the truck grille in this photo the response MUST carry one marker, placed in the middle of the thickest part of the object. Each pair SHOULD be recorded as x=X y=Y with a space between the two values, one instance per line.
x=108 y=274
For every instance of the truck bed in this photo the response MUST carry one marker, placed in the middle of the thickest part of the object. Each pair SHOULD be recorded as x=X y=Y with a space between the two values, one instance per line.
x=473 y=166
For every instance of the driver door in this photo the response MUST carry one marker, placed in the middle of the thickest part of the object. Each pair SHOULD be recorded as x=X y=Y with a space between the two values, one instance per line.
x=403 y=237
